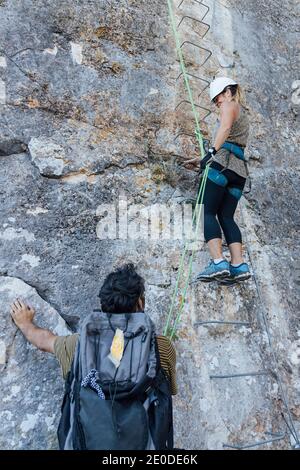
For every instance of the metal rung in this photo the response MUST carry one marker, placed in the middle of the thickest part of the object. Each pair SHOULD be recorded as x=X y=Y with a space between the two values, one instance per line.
x=254 y=444
x=274 y=434
x=197 y=1
x=222 y=323
x=246 y=374
x=197 y=78
x=199 y=47
x=186 y=134
x=196 y=106
x=189 y=135
x=197 y=21
x=187 y=102
x=201 y=4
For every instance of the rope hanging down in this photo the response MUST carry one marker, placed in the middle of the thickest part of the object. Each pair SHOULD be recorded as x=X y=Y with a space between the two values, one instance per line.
x=197 y=215
x=170 y=332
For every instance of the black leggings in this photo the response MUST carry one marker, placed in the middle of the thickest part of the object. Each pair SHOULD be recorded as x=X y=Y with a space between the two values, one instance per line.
x=218 y=201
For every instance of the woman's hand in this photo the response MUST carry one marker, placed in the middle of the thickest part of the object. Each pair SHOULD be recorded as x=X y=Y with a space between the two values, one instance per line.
x=211 y=152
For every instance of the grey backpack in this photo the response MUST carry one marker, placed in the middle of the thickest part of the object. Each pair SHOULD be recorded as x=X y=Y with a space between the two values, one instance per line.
x=109 y=407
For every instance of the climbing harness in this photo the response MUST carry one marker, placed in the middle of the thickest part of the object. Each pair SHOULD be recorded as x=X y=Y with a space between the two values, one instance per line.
x=235 y=149
x=238 y=152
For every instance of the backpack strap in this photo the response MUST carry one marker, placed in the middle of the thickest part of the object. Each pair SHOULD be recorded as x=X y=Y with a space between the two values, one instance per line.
x=65 y=419
x=170 y=439
x=79 y=440
x=161 y=386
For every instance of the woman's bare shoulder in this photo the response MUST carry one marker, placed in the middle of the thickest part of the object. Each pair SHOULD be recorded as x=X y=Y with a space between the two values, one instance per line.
x=230 y=107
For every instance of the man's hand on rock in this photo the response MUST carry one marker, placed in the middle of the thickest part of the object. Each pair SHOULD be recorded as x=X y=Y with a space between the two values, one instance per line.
x=21 y=313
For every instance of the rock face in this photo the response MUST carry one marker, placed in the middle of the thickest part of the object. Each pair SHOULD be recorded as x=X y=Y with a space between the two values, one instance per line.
x=30 y=385
x=94 y=116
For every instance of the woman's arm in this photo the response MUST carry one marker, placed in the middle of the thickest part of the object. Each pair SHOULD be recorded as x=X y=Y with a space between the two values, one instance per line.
x=229 y=113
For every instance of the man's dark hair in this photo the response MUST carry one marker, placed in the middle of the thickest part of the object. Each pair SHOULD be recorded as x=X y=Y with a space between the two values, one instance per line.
x=121 y=290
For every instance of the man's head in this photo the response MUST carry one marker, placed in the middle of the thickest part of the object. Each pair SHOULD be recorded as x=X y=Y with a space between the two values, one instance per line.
x=123 y=291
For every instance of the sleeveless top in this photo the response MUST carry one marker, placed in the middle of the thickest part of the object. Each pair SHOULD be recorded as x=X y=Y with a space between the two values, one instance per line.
x=239 y=133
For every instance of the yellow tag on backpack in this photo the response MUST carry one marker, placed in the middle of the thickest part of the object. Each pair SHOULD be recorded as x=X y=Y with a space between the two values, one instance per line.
x=117 y=348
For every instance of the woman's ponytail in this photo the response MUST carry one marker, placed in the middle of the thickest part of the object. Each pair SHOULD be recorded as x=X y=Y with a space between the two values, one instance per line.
x=238 y=94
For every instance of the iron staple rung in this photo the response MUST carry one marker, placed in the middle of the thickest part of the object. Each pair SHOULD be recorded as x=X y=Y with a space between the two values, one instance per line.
x=196 y=106
x=246 y=374
x=275 y=434
x=197 y=21
x=188 y=102
x=201 y=4
x=197 y=1
x=186 y=134
x=211 y=322
x=196 y=77
x=199 y=47
x=255 y=444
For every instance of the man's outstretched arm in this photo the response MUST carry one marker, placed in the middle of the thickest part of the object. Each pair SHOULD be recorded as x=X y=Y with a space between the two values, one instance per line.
x=23 y=316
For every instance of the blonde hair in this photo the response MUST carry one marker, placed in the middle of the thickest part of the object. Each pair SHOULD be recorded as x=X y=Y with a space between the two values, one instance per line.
x=239 y=96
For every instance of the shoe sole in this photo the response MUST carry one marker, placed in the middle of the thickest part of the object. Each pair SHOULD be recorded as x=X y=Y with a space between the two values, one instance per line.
x=227 y=282
x=242 y=277
x=230 y=281
x=213 y=277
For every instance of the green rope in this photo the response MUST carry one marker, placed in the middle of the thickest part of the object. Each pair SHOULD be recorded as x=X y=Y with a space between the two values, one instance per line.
x=200 y=192
x=199 y=196
x=182 y=263
x=183 y=298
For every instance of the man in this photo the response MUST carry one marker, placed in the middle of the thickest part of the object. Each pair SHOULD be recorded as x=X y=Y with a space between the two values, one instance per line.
x=122 y=292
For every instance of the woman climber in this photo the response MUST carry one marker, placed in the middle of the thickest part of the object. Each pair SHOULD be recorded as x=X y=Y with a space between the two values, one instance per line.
x=225 y=183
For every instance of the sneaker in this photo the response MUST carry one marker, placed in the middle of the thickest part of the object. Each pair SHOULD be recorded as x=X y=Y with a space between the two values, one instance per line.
x=240 y=272
x=214 y=271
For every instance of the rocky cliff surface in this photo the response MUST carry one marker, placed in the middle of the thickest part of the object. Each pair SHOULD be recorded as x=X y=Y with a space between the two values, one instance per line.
x=92 y=110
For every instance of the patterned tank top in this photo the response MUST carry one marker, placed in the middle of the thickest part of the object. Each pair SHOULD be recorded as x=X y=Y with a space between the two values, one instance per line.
x=239 y=135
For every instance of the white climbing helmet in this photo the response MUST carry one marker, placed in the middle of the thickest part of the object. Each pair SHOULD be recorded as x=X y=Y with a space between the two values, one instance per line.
x=218 y=85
